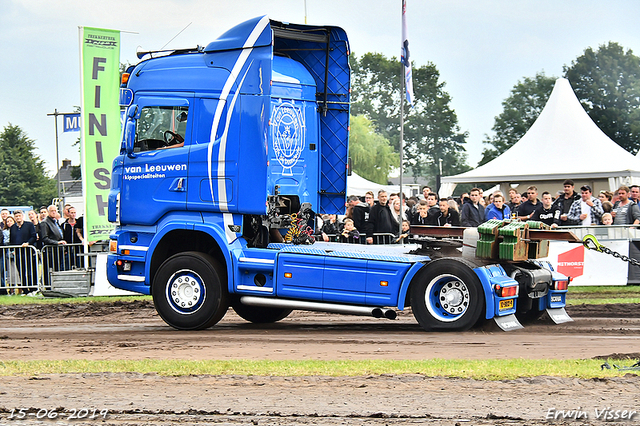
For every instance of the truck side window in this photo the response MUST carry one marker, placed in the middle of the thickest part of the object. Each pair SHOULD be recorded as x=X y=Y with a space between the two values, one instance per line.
x=161 y=127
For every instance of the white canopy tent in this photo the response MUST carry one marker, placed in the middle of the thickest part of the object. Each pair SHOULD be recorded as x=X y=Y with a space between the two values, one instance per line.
x=563 y=143
x=357 y=185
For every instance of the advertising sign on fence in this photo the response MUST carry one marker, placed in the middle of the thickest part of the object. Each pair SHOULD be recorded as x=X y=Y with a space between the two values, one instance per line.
x=589 y=267
x=101 y=130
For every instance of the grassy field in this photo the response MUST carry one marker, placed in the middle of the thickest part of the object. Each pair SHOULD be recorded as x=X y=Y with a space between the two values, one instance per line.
x=602 y=295
x=472 y=369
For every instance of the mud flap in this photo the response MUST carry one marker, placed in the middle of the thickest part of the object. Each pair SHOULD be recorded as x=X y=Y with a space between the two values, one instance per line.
x=558 y=315
x=508 y=322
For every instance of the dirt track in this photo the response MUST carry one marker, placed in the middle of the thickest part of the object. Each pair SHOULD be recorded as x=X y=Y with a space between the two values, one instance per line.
x=134 y=331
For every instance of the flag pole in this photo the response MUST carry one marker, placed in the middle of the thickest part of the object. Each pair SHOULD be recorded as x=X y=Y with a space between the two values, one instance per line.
x=55 y=116
x=406 y=91
x=402 y=94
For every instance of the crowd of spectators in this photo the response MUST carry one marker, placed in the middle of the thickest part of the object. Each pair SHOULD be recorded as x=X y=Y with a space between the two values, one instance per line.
x=381 y=216
x=571 y=208
x=377 y=219
x=45 y=227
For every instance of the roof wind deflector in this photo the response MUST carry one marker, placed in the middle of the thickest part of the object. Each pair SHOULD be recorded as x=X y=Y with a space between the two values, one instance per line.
x=301 y=35
x=311 y=36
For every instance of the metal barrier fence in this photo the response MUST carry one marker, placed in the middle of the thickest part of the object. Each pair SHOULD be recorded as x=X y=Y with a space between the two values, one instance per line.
x=381 y=238
x=19 y=269
x=26 y=269
x=61 y=257
x=609 y=232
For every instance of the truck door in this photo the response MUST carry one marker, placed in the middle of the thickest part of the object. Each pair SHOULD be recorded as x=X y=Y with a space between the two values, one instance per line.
x=213 y=158
x=155 y=173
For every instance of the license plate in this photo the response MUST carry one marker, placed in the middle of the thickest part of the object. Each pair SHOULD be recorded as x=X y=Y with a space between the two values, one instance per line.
x=506 y=304
x=555 y=299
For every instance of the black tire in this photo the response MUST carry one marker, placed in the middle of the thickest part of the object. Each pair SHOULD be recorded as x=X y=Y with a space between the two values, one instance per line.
x=190 y=291
x=259 y=314
x=452 y=281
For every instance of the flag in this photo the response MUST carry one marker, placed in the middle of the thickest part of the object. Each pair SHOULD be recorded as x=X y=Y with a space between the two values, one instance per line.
x=71 y=122
x=404 y=56
x=101 y=130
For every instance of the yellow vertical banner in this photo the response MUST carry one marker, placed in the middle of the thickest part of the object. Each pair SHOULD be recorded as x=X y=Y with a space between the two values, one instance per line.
x=101 y=129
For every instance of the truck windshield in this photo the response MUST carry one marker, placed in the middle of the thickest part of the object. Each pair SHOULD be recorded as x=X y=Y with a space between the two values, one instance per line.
x=158 y=126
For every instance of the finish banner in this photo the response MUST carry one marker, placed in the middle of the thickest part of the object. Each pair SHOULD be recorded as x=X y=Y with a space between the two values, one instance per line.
x=101 y=129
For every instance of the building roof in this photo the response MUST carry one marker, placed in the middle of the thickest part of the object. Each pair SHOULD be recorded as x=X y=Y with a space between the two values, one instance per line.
x=69 y=185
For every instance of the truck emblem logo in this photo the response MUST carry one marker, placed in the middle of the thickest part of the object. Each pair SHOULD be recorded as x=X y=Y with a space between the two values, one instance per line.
x=288 y=132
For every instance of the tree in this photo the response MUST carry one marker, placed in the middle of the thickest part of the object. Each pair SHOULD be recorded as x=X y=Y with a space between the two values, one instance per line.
x=607 y=83
x=431 y=130
x=520 y=110
x=23 y=180
x=371 y=153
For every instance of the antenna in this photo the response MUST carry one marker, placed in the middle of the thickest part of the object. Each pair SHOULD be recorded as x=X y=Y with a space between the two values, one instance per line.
x=176 y=35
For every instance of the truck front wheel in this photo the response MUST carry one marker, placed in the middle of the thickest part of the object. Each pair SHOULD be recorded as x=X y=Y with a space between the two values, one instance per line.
x=447 y=296
x=189 y=291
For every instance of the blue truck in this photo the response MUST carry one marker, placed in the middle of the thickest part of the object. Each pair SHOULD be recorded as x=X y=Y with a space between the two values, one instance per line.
x=229 y=151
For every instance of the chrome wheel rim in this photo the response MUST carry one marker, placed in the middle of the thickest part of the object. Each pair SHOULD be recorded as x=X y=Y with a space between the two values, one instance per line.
x=447 y=298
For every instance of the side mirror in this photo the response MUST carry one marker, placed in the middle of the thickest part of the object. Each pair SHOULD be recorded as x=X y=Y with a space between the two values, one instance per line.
x=132 y=111
x=129 y=136
x=130 y=130
x=182 y=117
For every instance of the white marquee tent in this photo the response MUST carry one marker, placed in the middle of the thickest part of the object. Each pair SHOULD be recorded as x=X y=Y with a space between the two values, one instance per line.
x=563 y=143
x=357 y=185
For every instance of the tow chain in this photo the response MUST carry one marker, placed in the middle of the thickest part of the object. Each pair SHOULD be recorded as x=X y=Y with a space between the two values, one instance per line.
x=634 y=367
x=590 y=242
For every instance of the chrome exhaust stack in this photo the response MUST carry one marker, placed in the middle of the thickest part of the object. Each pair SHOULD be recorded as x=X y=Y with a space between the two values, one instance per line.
x=367 y=311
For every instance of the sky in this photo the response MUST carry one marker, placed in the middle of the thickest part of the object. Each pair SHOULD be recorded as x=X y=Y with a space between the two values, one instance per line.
x=481 y=47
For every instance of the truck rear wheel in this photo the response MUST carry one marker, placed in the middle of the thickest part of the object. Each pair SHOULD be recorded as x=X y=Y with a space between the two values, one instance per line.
x=259 y=314
x=190 y=292
x=447 y=296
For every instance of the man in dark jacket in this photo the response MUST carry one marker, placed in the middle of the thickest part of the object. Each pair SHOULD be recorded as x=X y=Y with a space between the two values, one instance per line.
x=50 y=231
x=51 y=235
x=381 y=220
x=563 y=204
x=24 y=234
x=549 y=212
x=422 y=214
x=447 y=216
x=359 y=214
x=528 y=208
x=434 y=210
x=515 y=200
x=472 y=212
